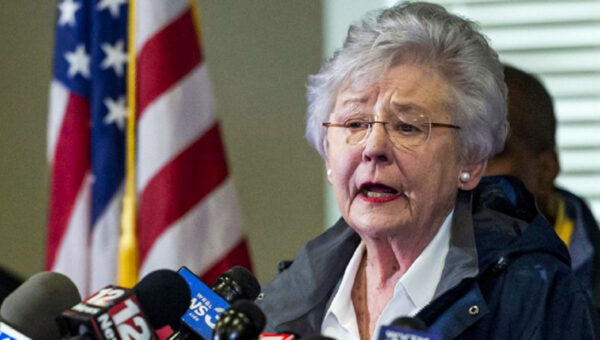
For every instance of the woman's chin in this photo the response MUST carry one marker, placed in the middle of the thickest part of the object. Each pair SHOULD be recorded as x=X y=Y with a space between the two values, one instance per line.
x=378 y=227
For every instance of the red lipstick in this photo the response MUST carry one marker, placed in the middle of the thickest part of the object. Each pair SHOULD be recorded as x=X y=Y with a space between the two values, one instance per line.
x=377 y=193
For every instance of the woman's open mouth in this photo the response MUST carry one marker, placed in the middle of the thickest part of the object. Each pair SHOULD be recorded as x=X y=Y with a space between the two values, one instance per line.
x=377 y=193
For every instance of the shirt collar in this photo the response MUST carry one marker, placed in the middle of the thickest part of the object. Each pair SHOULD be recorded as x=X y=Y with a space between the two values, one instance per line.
x=423 y=276
x=419 y=282
x=341 y=308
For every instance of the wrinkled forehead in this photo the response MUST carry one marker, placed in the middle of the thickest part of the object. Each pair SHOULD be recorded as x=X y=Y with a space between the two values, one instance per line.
x=412 y=87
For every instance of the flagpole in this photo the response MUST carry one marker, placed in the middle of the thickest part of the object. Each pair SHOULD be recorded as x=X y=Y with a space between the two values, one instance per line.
x=128 y=250
x=197 y=20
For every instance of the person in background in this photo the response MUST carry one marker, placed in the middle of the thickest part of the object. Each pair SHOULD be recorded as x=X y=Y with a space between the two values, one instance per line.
x=406 y=115
x=530 y=155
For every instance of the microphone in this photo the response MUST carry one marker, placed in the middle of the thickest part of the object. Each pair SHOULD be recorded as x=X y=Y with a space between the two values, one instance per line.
x=164 y=296
x=235 y=284
x=407 y=322
x=30 y=311
x=114 y=312
x=243 y=321
x=209 y=303
x=319 y=337
x=405 y=327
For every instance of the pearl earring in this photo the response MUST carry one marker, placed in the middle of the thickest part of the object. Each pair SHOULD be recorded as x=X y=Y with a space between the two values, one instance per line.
x=465 y=176
x=328 y=172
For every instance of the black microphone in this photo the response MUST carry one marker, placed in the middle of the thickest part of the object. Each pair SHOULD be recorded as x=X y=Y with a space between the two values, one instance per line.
x=408 y=322
x=114 y=312
x=243 y=321
x=405 y=327
x=235 y=284
x=33 y=307
x=208 y=303
x=164 y=297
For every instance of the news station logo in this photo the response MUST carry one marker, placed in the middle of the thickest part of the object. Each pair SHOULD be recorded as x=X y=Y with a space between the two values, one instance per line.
x=113 y=311
x=105 y=296
x=202 y=310
x=206 y=306
x=128 y=319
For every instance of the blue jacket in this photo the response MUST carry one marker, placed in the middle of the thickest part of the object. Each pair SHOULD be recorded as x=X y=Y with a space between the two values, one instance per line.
x=584 y=246
x=506 y=276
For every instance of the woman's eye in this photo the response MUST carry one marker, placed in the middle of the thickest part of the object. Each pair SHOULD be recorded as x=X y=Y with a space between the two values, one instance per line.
x=356 y=124
x=407 y=128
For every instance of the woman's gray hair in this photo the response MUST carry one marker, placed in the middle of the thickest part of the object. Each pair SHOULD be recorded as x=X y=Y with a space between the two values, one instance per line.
x=426 y=34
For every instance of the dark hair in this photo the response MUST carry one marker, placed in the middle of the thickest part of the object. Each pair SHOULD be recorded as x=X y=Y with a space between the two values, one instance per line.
x=530 y=110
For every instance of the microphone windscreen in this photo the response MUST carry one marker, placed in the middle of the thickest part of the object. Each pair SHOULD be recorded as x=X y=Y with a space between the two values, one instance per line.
x=243 y=320
x=164 y=296
x=33 y=307
x=407 y=322
x=252 y=311
x=247 y=282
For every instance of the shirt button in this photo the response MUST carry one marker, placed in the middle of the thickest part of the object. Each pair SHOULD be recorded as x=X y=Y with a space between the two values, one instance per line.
x=474 y=310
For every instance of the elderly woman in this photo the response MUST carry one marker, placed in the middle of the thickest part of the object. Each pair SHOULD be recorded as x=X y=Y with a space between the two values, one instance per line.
x=406 y=115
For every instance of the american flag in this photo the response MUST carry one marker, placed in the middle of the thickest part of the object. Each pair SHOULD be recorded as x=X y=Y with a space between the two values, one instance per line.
x=187 y=211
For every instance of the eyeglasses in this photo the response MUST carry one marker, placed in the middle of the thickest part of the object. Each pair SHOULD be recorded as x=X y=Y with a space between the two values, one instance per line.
x=405 y=130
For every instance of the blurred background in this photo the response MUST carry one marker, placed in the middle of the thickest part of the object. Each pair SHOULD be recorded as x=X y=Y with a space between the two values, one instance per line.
x=259 y=54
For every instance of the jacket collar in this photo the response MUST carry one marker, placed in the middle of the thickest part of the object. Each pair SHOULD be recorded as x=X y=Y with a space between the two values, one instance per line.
x=506 y=225
x=305 y=286
x=461 y=261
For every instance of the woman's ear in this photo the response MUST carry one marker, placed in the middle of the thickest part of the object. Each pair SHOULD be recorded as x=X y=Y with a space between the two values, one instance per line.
x=328 y=171
x=470 y=175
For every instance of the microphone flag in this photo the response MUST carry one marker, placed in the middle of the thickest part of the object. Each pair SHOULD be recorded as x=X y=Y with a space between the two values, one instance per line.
x=205 y=308
x=111 y=313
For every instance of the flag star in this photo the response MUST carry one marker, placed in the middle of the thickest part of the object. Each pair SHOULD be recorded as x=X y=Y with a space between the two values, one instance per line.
x=117 y=112
x=79 y=62
x=67 y=12
x=112 y=5
x=115 y=57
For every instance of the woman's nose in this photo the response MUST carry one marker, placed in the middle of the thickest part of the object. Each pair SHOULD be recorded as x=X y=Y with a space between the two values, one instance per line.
x=378 y=147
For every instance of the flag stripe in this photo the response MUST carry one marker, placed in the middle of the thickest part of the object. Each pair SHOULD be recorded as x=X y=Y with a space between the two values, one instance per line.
x=166 y=58
x=152 y=18
x=164 y=132
x=105 y=245
x=180 y=185
x=74 y=250
x=58 y=99
x=70 y=164
x=236 y=256
x=199 y=238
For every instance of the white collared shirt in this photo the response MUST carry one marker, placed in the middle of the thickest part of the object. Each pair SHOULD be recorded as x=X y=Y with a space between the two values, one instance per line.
x=414 y=290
